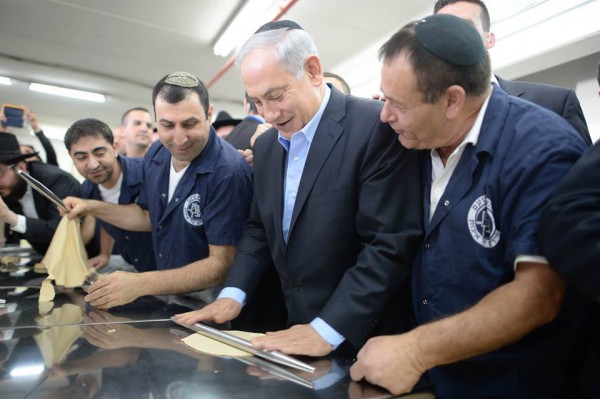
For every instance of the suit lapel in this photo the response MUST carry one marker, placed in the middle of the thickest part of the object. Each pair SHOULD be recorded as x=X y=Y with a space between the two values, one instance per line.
x=275 y=165
x=327 y=134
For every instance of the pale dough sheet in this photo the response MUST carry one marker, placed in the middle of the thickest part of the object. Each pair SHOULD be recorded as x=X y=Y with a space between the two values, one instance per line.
x=66 y=259
x=209 y=346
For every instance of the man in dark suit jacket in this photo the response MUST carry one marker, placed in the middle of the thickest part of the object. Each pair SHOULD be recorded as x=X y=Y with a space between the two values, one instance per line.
x=336 y=209
x=27 y=213
x=240 y=136
x=569 y=233
x=559 y=100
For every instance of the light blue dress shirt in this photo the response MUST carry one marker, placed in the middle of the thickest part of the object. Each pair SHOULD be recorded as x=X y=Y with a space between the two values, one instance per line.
x=297 y=150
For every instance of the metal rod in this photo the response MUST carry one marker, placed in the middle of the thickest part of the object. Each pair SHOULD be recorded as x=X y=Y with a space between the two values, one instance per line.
x=245 y=345
x=275 y=370
x=40 y=188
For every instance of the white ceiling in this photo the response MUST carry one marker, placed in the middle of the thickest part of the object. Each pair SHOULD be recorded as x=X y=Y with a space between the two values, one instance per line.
x=121 y=48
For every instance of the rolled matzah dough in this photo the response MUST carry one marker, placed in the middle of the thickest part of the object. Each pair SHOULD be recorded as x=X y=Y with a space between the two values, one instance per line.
x=66 y=259
x=209 y=346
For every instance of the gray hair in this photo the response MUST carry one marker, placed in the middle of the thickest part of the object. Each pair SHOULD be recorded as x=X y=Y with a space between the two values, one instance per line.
x=291 y=46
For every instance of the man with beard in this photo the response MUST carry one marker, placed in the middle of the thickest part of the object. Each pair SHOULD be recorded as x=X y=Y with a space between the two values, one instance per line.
x=27 y=214
x=115 y=179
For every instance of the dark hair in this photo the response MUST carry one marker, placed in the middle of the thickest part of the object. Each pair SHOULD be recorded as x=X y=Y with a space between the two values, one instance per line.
x=88 y=128
x=337 y=77
x=251 y=106
x=598 y=77
x=126 y=114
x=433 y=74
x=485 y=14
x=174 y=94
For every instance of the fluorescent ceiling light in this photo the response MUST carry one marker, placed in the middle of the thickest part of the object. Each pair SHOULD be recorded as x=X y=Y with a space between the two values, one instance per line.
x=5 y=81
x=535 y=13
x=61 y=91
x=558 y=31
x=247 y=20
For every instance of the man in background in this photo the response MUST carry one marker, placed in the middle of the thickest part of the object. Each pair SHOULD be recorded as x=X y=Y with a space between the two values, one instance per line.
x=244 y=134
x=337 y=81
x=224 y=124
x=27 y=214
x=137 y=131
x=561 y=101
x=114 y=179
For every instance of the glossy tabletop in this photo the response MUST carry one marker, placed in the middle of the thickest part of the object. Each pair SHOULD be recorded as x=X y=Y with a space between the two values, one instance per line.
x=67 y=349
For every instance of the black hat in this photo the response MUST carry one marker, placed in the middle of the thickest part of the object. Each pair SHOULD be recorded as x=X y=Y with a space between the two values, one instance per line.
x=224 y=119
x=9 y=149
x=451 y=38
x=273 y=25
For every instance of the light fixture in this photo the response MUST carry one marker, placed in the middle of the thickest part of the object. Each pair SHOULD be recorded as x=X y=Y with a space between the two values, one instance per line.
x=61 y=91
x=5 y=81
x=530 y=14
x=247 y=20
x=565 y=24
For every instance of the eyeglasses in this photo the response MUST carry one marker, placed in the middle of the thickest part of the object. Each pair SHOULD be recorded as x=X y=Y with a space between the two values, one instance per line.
x=3 y=171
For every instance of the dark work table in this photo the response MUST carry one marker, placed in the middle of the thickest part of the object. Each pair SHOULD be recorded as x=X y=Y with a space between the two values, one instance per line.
x=67 y=349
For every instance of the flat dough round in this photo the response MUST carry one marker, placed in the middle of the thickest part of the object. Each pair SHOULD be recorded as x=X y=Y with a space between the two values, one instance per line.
x=213 y=347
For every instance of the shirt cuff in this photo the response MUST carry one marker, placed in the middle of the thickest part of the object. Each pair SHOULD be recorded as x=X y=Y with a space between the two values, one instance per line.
x=327 y=332
x=233 y=293
x=21 y=226
x=530 y=259
x=335 y=374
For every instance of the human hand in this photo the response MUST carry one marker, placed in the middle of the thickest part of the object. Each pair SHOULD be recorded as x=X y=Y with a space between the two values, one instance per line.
x=31 y=119
x=248 y=155
x=115 y=289
x=300 y=339
x=393 y=362
x=260 y=129
x=219 y=311
x=77 y=207
x=98 y=262
x=110 y=336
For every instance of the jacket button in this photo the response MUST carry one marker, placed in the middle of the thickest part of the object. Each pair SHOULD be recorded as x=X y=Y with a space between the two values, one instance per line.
x=295 y=287
x=427 y=245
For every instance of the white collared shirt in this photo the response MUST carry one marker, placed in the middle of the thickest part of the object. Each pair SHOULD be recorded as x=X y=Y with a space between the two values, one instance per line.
x=28 y=206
